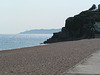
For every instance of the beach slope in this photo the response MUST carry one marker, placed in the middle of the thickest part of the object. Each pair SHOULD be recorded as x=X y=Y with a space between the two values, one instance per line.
x=51 y=59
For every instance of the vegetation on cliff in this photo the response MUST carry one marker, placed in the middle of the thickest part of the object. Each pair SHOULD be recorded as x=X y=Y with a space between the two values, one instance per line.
x=80 y=26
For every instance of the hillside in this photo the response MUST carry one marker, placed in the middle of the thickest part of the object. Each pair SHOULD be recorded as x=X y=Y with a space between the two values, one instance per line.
x=80 y=26
x=41 y=31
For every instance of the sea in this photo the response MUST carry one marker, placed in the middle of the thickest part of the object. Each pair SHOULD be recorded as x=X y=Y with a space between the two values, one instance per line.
x=14 y=41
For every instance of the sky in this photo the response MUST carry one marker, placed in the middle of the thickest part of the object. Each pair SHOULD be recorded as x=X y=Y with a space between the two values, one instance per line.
x=21 y=15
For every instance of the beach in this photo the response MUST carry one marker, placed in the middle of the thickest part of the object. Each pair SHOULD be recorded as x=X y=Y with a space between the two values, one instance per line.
x=51 y=59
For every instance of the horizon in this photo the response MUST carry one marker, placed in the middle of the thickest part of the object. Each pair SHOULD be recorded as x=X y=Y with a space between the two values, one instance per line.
x=34 y=29
x=21 y=15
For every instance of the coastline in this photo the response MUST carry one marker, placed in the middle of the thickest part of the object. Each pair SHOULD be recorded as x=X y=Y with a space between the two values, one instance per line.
x=51 y=59
x=23 y=47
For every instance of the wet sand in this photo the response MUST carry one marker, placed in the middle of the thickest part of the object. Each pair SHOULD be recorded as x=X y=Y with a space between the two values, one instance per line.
x=52 y=59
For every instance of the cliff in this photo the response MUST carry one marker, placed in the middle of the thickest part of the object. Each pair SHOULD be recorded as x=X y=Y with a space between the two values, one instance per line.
x=81 y=26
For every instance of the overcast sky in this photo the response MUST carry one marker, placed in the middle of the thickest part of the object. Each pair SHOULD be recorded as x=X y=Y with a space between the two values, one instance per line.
x=20 y=15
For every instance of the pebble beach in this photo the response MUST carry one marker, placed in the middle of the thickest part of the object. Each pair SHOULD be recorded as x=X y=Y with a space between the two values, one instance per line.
x=51 y=59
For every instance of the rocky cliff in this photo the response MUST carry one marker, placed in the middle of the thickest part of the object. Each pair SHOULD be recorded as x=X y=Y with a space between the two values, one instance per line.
x=80 y=26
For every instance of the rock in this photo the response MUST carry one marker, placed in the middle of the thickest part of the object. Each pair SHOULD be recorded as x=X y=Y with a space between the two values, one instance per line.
x=80 y=26
x=99 y=7
x=93 y=7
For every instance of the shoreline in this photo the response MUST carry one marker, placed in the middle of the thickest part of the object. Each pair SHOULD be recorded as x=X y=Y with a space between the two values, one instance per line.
x=22 y=47
x=52 y=59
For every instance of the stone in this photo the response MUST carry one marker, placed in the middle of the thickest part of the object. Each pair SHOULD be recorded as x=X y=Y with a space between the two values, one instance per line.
x=93 y=7
x=99 y=7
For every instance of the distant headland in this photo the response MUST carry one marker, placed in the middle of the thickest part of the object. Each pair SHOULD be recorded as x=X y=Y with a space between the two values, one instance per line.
x=41 y=31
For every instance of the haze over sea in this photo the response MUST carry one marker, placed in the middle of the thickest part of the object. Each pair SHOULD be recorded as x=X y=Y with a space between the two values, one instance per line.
x=13 y=41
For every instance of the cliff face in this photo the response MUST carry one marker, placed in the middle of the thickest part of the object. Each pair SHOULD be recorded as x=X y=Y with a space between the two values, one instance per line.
x=78 y=27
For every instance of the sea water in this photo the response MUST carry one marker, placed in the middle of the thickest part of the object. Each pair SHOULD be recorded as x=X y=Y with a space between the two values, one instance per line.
x=13 y=41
